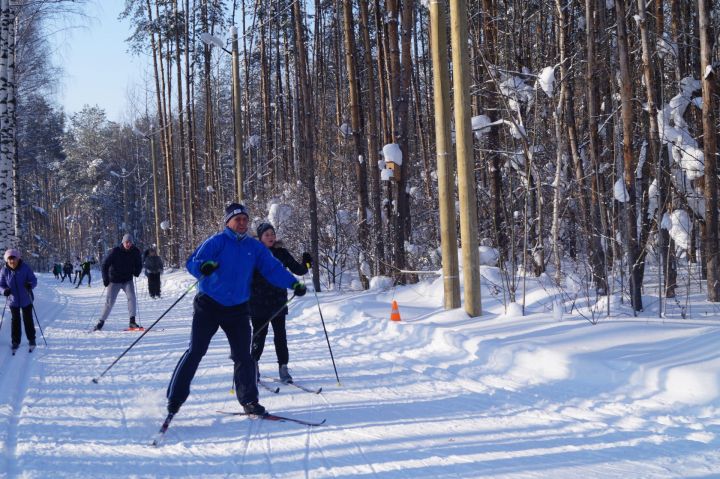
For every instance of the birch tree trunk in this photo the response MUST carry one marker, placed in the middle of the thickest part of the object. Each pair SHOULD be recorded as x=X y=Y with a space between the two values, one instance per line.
x=7 y=224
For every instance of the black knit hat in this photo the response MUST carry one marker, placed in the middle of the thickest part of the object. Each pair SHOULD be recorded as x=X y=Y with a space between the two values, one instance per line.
x=263 y=227
x=234 y=209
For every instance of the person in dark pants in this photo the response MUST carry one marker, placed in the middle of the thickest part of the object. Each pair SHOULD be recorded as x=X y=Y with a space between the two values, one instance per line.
x=77 y=270
x=85 y=271
x=17 y=281
x=118 y=269
x=57 y=270
x=153 y=269
x=67 y=271
x=266 y=300
x=224 y=265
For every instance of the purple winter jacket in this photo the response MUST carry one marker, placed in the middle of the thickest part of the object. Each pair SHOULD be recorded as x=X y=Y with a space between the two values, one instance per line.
x=15 y=279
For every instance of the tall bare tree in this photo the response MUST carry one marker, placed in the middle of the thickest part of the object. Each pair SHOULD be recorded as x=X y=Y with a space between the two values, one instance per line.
x=709 y=88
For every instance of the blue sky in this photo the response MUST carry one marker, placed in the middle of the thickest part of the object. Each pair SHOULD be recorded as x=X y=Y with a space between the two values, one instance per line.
x=98 y=68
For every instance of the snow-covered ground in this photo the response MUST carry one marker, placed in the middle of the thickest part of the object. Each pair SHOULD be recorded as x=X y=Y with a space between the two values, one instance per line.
x=436 y=395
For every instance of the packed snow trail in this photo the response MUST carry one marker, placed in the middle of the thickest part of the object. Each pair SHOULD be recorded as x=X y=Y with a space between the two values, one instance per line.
x=437 y=395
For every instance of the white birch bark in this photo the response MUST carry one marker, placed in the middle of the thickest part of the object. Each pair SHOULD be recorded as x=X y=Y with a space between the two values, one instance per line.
x=7 y=227
x=12 y=123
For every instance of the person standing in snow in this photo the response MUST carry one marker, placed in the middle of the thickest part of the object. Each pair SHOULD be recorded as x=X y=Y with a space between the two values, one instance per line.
x=224 y=265
x=118 y=269
x=17 y=281
x=85 y=271
x=67 y=271
x=266 y=300
x=57 y=270
x=77 y=269
x=153 y=269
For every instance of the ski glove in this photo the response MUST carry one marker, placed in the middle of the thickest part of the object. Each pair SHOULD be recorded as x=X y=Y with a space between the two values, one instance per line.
x=28 y=285
x=307 y=260
x=7 y=292
x=299 y=289
x=106 y=283
x=208 y=267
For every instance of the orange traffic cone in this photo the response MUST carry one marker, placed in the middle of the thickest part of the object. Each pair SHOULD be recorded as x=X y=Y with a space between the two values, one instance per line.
x=395 y=312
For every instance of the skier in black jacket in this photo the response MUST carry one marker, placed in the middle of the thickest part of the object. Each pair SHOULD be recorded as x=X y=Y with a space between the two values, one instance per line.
x=266 y=300
x=118 y=269
x=153 y=269
x=85 y=271
x=67 y=271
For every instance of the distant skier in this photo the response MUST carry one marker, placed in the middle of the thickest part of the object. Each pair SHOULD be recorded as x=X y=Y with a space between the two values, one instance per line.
x=224 y=265
x=17 y=281
x=118 y=269
x=57 y=270
x=153 y=269
x=67 y=271
x=77 y=269
x=266 y=300
x=85 y=271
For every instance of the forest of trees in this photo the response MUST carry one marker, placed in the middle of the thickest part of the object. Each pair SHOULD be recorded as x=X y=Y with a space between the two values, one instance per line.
x=594 y=135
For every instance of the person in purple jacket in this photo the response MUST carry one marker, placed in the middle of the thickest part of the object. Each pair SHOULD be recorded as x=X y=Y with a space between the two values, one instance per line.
x=17 y=281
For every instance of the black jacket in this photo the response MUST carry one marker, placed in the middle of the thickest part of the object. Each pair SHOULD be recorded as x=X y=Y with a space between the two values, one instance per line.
x=121 y=265
x=153 y=264
x=266 y=299
x=86 y=265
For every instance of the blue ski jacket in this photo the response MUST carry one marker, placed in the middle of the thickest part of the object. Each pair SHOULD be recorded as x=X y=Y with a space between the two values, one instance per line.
x=237 y=260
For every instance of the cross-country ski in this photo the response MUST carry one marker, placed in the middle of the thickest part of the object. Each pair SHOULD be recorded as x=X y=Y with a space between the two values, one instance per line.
x=304 y=239
x=295 y=384
x=275 y=417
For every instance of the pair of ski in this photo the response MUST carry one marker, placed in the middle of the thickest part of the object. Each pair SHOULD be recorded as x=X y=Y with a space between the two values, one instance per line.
x=267 y=417
x=30 y=350
x=141 y=329
x=276 y=389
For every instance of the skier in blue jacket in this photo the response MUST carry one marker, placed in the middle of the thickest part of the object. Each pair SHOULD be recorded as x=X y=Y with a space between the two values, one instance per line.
x=17 y=281
x=224 y=265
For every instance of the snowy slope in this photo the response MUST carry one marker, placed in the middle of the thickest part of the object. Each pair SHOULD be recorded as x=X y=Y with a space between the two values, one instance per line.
x=437 y=395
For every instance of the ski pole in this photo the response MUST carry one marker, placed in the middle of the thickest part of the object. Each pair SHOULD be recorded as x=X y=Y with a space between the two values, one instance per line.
x=37 y=320
x=325 y=330
x=32 y=305
x=95 y=380
x=2 y=318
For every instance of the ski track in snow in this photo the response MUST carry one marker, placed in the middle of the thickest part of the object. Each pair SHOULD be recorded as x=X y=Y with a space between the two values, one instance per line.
x=437 y=395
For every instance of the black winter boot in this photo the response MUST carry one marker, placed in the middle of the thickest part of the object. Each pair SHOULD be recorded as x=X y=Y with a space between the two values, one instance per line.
x=254 y=409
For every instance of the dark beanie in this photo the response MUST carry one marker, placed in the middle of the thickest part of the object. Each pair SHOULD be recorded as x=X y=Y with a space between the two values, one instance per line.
x=234 y=209
x=263 y=227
